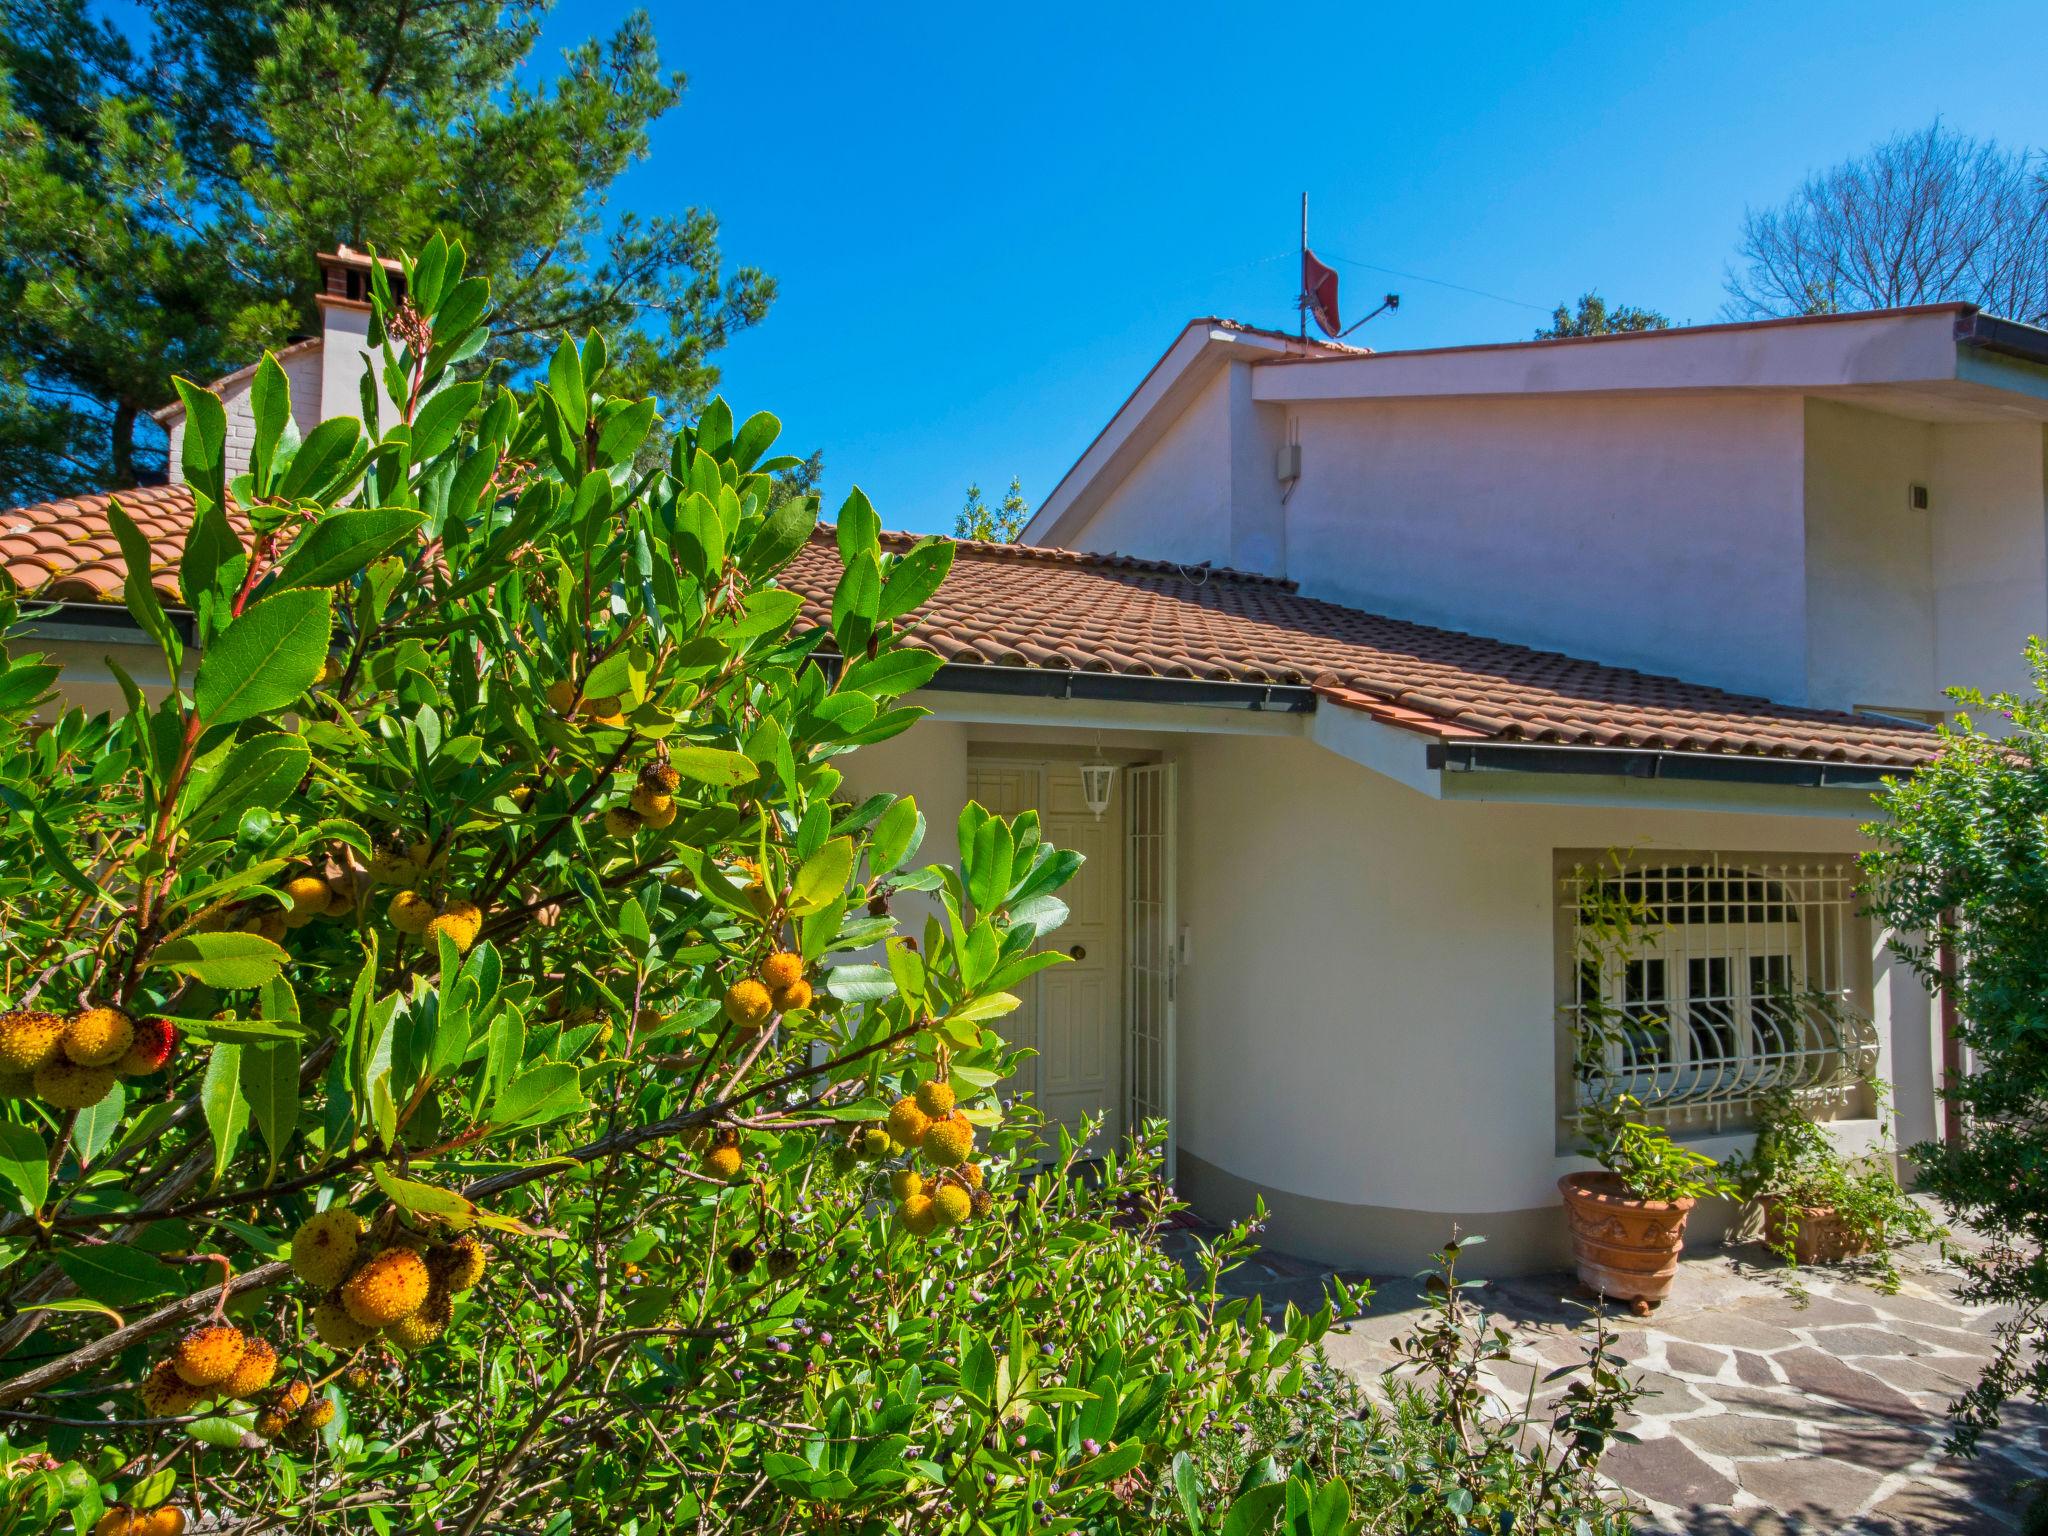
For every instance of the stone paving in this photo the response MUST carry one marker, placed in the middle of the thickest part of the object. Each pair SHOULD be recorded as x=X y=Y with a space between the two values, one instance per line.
x=1774 y=1413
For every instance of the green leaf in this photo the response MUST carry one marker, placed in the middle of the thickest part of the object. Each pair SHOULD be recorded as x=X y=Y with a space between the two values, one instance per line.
x=891 y=673
x=565 y=383
x=784 y=531
x=257 y=770
x=756 y=436
x=854 y=604
x=326 y=461
x=859 y=983
x=270 y=1082
x=137 y=589
x=212 y=565
x=115 y=1273
x=988 y=865
x=713 y=765
x=232 y=962
x=915 y=576
x=1187 y=1486
x=77 y=1304
x=426 y=1199
x=221 y=1433
x=59 y=858
x=239 y=1031
x=624 y=431
x=270 y=410
x=1113 y=1463
x=441 y=418
x=25 y=1163
x=978 y=1372
x=1252 y=1511
x=203 y=452
x=94 y=1129
x=542 y=1094
x=1330 y=1514
x=898 y=834
x=265 y=659
x=622 y=672
x=342 y=543
x=823 y=876
x=227 y=1111
x=860 y=530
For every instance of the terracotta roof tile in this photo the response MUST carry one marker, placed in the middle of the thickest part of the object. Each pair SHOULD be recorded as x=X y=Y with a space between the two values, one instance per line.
x=1011 y=605
x=1019 y=606
x=66 y=550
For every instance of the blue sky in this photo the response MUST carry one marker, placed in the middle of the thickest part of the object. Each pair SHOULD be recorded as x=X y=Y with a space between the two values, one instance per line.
x=987 y=223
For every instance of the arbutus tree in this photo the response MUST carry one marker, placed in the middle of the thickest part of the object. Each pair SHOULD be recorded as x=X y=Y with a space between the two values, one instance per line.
x=462 y=1065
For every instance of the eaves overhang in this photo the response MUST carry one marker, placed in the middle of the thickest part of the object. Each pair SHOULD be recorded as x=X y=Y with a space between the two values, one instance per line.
x=1631 y=763
x=106 y=623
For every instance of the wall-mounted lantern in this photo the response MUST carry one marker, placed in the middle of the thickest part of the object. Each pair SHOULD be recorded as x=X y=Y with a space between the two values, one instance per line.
x=1098 y=778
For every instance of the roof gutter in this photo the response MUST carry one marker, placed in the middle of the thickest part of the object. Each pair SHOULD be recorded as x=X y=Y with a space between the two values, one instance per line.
x=1121 y=688
x=104 y=622
x=2009 y=338
x=1635 y=763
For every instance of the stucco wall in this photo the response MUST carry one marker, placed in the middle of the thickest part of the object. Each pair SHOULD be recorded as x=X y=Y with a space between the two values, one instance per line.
x=1990 y=550
x=302 y=371
x=1903 y=604
x=1175 y=504
x=1366 y=1024
x=1652 y=532
x=1366 y=1017
x=1662 y=533
x=1869 y=560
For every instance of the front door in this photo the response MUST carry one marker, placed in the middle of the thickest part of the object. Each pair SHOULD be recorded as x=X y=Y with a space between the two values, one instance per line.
x=1073 y=1013
x=1151 y=948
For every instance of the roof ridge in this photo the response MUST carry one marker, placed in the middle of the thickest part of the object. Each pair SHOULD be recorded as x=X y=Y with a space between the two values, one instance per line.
x=1050 y=554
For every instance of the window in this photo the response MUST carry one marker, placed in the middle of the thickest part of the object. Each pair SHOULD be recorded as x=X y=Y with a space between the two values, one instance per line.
x=1701 y=982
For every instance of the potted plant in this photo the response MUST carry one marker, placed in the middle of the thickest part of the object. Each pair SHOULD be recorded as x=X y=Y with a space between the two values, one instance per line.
x=1819 y=1206
x=1628 y=1220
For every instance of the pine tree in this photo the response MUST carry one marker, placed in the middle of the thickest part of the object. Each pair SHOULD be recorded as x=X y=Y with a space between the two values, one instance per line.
x=1000 y=524
x=163 y=193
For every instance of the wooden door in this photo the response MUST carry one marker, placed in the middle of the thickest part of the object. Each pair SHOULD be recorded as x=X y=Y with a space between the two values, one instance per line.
x=1072 y=1014
x=1081 y=1002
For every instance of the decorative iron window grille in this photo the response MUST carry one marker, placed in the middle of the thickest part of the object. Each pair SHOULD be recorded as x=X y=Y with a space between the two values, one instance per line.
x=1700 y=986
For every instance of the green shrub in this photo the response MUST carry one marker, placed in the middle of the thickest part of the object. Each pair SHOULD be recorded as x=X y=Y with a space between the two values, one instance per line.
x=490 y=877
x=1796 y=1163
x=1432 y=1453
x=1650 y=1165
x=1958 y=872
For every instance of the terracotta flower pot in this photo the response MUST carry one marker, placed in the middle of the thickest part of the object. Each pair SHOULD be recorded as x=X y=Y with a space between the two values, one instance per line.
x=1820 y=1237
x=1626 y=1249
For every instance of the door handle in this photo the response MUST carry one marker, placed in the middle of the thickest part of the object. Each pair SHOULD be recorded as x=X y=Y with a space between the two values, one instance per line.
x=1078 y=951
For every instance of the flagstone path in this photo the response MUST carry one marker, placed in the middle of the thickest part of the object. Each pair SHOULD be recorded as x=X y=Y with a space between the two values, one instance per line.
x=1770 y=1415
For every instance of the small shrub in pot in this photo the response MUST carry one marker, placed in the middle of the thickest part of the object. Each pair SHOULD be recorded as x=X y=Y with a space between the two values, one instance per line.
x=1628 y=1220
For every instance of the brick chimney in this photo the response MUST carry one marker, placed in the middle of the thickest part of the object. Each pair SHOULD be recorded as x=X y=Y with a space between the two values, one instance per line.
x=344 y=302
x=325 y=371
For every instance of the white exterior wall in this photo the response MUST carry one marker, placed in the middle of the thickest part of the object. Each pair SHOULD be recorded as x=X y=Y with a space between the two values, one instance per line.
x=302 y=371
x=1175 y=504
x=1869 y=561
x=1990 y=551
x=1903 y=604
x=1367 y=1025
x=1368 y=1014
x=1643 y=531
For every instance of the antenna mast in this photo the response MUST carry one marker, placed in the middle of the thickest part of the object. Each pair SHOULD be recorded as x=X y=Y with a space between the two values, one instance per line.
x=1301 y=298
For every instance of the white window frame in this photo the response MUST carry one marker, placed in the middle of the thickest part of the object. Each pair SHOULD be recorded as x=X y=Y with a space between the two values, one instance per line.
x=1796 y=916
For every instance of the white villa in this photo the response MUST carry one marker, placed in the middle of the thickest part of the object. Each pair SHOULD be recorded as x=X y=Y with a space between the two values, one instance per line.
x=1384 y=650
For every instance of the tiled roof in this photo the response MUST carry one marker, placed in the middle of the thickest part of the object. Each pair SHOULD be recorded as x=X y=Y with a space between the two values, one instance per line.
x=1008 y=605
x=66 y=550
